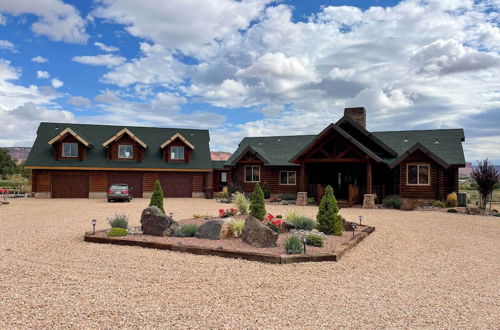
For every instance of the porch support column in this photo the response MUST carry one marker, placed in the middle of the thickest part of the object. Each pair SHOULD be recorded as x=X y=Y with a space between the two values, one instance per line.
x=303 y=176
x=369 y=188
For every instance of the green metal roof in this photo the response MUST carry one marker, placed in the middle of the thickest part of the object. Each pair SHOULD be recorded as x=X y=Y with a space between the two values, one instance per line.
x=218 y=164
x=279 y=150
x=42 y=153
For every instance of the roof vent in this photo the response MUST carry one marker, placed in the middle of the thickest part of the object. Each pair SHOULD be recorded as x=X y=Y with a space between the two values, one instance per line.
x=260 y=142
x=192 y=134
x=406 y=139
x=279 y=139
x=57 y=127
x=436 y=142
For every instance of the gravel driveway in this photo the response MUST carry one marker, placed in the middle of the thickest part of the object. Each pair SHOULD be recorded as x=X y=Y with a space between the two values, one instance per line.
x=418 y=270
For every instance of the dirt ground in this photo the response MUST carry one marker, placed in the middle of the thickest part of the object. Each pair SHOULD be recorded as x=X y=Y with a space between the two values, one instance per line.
x=417 y=270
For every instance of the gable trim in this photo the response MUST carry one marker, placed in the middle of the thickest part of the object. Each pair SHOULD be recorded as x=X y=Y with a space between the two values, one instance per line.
x=253 y=152
x=175 y=136
x=427 y=152
x=343 y=134
x=68 y=130
x=120 y=133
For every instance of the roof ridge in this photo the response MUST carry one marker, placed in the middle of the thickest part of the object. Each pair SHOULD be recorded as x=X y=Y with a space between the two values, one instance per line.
x=271 y=136
x=420 y=130
x=126 y=126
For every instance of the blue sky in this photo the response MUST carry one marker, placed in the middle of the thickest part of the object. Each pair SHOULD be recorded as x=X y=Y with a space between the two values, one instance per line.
x=252 y=67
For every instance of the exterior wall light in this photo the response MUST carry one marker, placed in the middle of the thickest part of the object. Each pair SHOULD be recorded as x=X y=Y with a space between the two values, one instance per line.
x=94 y=222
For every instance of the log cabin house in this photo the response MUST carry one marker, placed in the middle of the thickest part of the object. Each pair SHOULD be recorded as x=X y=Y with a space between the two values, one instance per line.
x=75 y=160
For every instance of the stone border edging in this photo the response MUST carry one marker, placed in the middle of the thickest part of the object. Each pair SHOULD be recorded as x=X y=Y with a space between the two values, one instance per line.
x=251 y=256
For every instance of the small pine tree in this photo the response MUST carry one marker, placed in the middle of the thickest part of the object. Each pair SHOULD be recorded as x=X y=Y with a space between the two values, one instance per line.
x=257 y=208
x=329 y=219
x=157 y=197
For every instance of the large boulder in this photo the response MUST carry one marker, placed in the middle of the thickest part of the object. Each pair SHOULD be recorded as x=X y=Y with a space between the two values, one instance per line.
x=258 y=234
x=155 y=222
x=216 y=229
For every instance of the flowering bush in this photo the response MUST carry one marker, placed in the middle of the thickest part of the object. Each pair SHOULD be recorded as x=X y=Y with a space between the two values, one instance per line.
x=271 y=222
x=276 y=199
x=227 y=212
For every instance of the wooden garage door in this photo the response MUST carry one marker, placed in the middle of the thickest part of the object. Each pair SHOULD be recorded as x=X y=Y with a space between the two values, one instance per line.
x=70 y=185
x=176 y=184
x=134 y=180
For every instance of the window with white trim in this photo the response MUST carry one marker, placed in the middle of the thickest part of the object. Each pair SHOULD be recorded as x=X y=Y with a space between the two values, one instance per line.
x=125 y=151
x=252 y=173
x=177 y=153
x=223 y=177
x=288 y=177
x=70 y=149
x=418 y=174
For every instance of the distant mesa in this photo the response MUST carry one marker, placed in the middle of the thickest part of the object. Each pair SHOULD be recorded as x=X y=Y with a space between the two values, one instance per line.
x=220 y=155
x=19 y=154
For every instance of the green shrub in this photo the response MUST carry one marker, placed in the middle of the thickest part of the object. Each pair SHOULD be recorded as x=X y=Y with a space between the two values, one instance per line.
x=257 y=207
x=329 y=219
x=452 y=211
x=303 y=223
x=452 y=200
x=439 y=204
x=288 y=197
x=311 y=201
x=393 y=201
x=265 y=190
x=187 y=230
x=118 y=221
x=157 y=197
x=279 y=216
x=242 y=203
x=315 y=240
x=497 y=215
x=117 y=231
x=412 y=205
x=237 y=227
x=293 y=245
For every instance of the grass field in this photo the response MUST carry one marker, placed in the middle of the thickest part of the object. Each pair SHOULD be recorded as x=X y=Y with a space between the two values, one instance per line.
x=474 y=196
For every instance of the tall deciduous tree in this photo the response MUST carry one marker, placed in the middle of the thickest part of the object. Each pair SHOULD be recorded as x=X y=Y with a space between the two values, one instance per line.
x=7 y=165
x=257 y=207
x=329 y=219
x=486 y=176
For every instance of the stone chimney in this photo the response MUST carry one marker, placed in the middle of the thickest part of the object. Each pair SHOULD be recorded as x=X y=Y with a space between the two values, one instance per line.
x=357 y=114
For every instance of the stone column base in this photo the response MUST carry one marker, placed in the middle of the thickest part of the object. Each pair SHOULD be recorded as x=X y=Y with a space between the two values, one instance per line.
x=43 y=195
x=301 y=199
x=147 y=194
x=197 y=194
x=369 y=201
x=98 y=194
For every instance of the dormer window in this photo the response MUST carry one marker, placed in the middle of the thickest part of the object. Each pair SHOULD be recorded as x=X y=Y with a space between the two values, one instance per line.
x=125 y=151
x=177 y=153
x=70 y=150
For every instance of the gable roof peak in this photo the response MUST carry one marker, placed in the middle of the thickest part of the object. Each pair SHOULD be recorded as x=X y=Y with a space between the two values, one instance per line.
x=177 y=136
x=68 y=130
x=120 y=134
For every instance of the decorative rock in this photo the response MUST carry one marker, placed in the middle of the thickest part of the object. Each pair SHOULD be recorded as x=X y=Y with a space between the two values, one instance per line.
x=301 y=199
x=258 y=234
x=155 y=222
x=369 y=201
x=302 y=232
x=210 y=230
x=475 y=211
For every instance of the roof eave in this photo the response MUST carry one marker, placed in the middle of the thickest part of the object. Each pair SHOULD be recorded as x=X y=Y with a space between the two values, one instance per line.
x=427 y=152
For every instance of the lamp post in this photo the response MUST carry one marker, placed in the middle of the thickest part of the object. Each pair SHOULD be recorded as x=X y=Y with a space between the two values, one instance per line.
x=353 y=226
x=171 y=214
x=360 y=220
x=304 y=239
x=94 y=222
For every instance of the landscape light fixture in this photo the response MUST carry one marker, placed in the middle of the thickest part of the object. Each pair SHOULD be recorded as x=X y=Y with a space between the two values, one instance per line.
x=360 y=220
x=94 y=222
x=304 y=239
x=353 y=226
x=171 y=214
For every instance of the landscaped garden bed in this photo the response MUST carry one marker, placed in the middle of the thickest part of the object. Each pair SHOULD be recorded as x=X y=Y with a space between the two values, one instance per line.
x=246 y=232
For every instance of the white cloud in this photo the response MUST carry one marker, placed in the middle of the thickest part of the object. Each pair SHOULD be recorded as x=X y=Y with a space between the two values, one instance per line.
x=39 y=59
x=450 y=56
x=79 y=101
x=106 y=48
x=104 y=60
x=5 y=44
x=57 y=20
x=56 y=83
x=107 y=97
x=184 y=25
x=168 y=101
x=3 y=20
x=42 y=74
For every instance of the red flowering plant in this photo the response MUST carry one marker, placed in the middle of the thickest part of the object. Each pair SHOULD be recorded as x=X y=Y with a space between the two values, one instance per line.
x=276 y=199
x=227 y=212
x=273 y=223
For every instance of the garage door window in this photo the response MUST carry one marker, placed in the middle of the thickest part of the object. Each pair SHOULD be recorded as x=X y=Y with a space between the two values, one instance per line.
x=125 y=151
x=70 y=149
